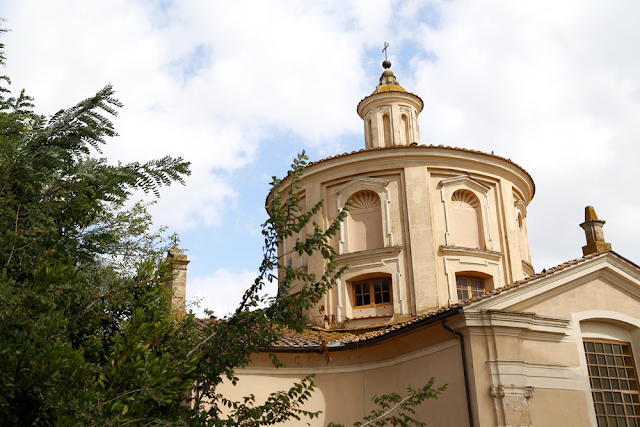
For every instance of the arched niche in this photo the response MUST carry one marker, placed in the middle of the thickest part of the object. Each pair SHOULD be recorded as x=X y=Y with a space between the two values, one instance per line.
x=368 y=215
x=466 y=220
x=368 y=130
x=521 y=214
x=385 y=127
x=464 y=199
x=406 y=126
x=365 y=222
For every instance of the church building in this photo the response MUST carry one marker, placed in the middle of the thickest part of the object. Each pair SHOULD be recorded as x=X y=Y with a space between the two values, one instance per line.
x=441 y=284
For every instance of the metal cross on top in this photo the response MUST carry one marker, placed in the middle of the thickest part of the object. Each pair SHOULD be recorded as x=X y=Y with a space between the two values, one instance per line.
x=386 y=45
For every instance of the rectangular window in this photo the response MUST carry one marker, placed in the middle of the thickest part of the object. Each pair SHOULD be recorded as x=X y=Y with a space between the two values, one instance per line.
x=371 y=292
x=614 y=383
x=469 y=287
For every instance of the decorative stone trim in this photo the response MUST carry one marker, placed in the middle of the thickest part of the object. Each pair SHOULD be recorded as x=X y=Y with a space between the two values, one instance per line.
x=609 y=266
x=368 y=130
x=459 y=250
x=355 y=365
x=466 y=181
x=393 y=256
x=409 y=112
x=473 y=264
x=362 y=255
x=365 y=183
x=528 y=268
x=381 y=112
x=517 y=324
x=542 y=375
x=520 y=208
x=406 y=97
x=517 y=399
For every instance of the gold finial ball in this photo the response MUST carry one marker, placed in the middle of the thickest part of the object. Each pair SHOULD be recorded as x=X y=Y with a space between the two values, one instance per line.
x=386 y=64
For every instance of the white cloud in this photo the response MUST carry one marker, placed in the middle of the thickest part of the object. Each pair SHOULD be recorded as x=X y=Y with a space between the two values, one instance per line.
x=206 y=81
x=222 y=290
x=555 y=86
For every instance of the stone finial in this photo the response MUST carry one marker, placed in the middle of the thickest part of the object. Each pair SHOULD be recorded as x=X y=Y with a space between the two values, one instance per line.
x=592 y=227
x=178 y=285
x=387 y=78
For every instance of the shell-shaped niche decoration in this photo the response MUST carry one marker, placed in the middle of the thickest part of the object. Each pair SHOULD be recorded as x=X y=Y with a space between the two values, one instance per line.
x=365 y=200
x=464 y=200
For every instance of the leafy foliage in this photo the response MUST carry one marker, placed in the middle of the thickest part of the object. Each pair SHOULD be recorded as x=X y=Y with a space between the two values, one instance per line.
x=257 y=322
x=402 y=412
x=87 y=333
x=87 y=336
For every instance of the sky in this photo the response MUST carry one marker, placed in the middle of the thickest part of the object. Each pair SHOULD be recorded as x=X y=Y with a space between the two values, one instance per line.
x=239 y=88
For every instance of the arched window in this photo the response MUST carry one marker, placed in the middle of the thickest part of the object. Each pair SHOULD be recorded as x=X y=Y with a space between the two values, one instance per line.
x=386 y=124
x=365 y=222
x=405 y=129
x=613 y=373
x=466 y=220
x=369 y=133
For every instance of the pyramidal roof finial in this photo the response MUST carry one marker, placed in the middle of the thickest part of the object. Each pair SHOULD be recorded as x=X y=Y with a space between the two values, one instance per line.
x=592 y=227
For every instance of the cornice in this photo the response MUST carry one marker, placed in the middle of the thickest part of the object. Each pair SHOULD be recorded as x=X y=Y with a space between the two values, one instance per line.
x=510 y=323
x=613 y=267
x=465 y=180
x=361 y=182
x=459 y=250
x=390 y=251
x=390 y=94
x=455 y=153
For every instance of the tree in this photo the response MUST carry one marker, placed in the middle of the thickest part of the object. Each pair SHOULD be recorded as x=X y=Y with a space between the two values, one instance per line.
x=87 y=334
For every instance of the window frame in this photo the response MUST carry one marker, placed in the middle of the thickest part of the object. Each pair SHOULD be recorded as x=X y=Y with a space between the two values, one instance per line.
x=468 y=278
x=372 y=292
x=601 y=406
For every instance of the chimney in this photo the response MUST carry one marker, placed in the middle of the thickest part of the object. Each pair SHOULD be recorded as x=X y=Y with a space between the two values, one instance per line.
x=592 y=227
x=178 y=285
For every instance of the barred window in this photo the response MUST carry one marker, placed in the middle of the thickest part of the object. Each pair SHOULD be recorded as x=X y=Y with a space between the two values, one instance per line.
x=614 y=383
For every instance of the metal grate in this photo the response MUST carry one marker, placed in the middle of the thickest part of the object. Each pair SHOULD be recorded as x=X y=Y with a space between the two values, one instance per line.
x=614 y=383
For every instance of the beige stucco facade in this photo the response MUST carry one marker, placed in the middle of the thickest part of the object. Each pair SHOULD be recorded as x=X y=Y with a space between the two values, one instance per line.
x=425 y=219
x=524 y=353
x=432 y=213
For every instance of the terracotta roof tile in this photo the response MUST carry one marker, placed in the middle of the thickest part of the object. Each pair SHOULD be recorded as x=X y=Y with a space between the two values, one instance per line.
x=312 y=338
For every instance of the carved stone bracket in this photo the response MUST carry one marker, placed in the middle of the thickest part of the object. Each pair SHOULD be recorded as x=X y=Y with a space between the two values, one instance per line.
x=512 y=405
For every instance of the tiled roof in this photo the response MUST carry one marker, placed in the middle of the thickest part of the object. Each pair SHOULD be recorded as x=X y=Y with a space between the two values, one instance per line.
x=390 y=88
x=423 y=146
x=312 y=338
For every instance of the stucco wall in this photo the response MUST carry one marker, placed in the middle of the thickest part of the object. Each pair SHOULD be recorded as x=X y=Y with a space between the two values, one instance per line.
x=414 y=217
x=347 y=384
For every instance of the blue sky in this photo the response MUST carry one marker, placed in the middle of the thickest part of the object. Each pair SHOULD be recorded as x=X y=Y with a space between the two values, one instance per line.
x=239 y=88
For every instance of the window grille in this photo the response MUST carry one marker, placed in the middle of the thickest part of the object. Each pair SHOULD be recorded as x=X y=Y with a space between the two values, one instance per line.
x=614 y=383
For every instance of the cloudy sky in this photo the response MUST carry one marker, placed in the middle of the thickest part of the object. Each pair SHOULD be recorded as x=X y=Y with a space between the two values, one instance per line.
x=238 y=88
